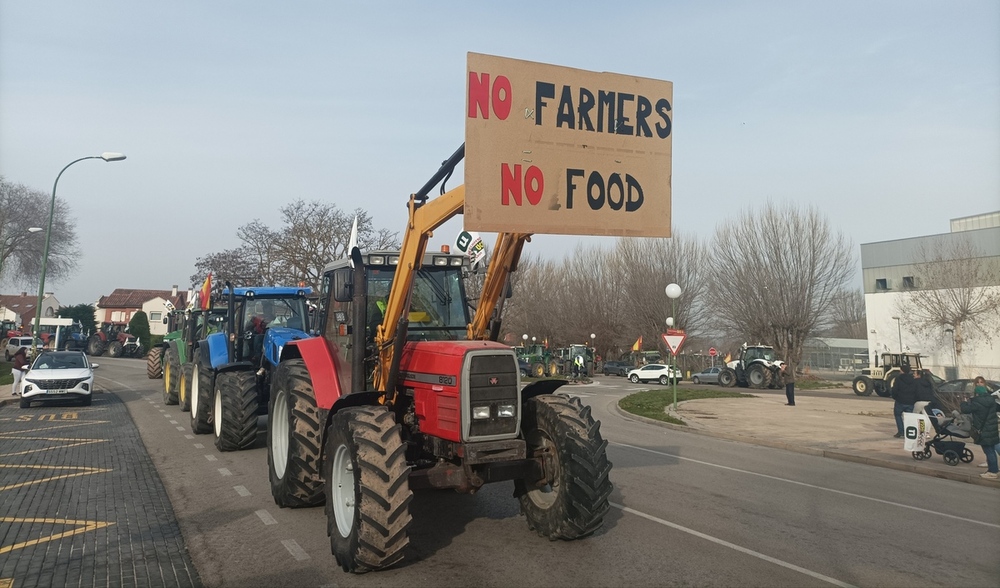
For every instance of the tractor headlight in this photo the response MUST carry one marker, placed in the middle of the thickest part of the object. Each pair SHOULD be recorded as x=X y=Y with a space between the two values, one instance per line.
x=480 y=412
x=506 y=411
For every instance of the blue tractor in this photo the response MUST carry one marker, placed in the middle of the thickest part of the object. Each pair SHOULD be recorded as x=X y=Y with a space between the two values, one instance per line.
x=231 y=379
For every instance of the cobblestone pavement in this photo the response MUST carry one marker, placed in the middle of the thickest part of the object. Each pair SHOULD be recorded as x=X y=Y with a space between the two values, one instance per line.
x=81 y=503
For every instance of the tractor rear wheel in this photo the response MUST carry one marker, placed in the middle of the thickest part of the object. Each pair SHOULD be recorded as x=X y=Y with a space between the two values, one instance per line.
x=115 y=349
x=572 y=502
x=95 y=346
x=553 y=368
x=294 y=438
x=184 y=387
x=538 y=370
x=202 y=386
x=367 y=489
x=171 y=371
x=154 y=366
x=758 y=376
x=862 y=386
x=727 y=378
x=234 y=413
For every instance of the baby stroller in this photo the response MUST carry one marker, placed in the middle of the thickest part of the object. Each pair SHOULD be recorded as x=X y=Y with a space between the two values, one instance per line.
x=946 y=430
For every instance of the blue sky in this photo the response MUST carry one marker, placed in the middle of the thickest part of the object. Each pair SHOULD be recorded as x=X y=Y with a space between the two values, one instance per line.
x=884 y=115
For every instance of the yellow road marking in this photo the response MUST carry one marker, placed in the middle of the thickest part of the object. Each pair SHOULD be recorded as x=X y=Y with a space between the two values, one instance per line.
x=60 y=446
x=73 y=424
x=83 y=527
x=84 y=471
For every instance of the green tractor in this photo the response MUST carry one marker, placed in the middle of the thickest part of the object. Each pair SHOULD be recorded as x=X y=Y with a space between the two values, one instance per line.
x=171 y=359
x=540 y=361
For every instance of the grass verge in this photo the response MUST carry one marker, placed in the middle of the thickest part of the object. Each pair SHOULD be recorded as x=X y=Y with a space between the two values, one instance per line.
x=652 y=404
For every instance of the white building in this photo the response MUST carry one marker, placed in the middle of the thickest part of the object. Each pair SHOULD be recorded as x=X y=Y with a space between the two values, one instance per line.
x=890 y=273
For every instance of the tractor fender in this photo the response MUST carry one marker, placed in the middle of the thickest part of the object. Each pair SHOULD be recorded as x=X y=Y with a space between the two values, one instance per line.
x=178 y=350
x=218 y=350
x=275 y=340
x=323 y=367
x=540 y=387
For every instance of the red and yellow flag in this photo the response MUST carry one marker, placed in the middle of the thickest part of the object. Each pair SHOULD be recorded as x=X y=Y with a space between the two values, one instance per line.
x=728 y=359
x=637 y=346
x=205 y=294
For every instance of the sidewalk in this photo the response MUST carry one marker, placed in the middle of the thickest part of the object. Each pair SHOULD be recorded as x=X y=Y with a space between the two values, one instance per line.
x=847 y=428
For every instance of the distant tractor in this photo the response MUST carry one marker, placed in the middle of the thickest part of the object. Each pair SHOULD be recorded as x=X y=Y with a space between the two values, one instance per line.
x=756 y=367
x=115 y=340
x=566 y=358
x=879 y=378
x=541 y=361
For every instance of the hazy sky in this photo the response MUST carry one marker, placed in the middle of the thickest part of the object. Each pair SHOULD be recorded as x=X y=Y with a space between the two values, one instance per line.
x=884 y=115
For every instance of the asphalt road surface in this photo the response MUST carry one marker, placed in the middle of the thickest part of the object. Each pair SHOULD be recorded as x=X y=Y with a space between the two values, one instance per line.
x=687 y=510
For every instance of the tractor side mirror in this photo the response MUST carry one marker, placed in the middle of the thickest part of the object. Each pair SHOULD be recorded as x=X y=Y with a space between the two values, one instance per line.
x=342 y=289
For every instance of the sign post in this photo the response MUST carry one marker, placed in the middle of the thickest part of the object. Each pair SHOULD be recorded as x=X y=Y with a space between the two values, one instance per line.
x=712 y=353
x=674 y=339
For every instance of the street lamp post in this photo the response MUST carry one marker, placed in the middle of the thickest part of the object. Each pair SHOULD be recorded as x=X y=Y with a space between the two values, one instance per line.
x=106 y=156
x=8 y=241
x=673 y=292
x=899 y=332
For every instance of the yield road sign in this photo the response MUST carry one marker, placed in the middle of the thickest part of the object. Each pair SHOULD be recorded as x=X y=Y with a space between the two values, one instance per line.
x=674 y=342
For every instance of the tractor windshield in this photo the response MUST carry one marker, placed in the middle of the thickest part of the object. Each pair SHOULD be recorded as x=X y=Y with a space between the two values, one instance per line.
x=437 y=303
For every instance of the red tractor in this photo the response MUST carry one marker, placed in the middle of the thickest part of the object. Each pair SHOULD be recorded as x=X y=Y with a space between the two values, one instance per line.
x=405 y=390
x=115 y=340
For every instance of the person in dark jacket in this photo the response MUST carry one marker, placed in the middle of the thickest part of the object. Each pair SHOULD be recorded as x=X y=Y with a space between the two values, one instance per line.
x=904 y=393
x=788 y=374
x=19 y=368
x=924 y=387
x=983 y=408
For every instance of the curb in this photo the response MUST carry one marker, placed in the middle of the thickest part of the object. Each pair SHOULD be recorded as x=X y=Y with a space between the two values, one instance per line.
x=915 y=468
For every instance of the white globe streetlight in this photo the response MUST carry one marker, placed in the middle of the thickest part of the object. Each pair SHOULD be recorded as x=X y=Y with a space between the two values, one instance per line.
x=673 y=292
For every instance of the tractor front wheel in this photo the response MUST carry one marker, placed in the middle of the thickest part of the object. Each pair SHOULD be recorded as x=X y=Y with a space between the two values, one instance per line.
x=154 y=365
x=862 y=386
x=538 y=370
x=294 y=438
x=573 y=499
x=727 y=378
x=171 y=372
x=234 y=412
x=184 y=387
x=367 y=489
x=202 y=386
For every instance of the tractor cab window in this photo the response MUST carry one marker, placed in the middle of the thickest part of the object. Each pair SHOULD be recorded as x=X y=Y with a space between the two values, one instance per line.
x=437 y=307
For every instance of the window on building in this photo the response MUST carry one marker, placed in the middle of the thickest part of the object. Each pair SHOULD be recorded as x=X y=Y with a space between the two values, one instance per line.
x=882 y=284
x=909 y=282
x=155 y=316
x=117 y=316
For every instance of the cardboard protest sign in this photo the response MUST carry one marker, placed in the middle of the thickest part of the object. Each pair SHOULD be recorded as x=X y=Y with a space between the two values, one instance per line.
x=559 y=150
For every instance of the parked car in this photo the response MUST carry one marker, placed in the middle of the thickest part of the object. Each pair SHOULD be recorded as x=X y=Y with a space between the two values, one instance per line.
x=58 y=375
x=707 y=376
x=654 y=372
x=15 y=343
x=524 y=367
x=616 y=368
x=953 y=393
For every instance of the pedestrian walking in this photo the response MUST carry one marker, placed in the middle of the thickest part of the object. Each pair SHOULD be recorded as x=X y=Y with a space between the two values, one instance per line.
x=20 y=366
x=983 y=408
x=788 y=375
x=904 y=395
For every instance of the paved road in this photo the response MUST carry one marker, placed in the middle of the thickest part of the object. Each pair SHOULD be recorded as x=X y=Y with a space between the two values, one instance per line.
x=689 y=509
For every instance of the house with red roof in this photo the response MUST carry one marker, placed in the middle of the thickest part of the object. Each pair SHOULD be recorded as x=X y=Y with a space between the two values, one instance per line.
x=19 y=309
x=121 y=305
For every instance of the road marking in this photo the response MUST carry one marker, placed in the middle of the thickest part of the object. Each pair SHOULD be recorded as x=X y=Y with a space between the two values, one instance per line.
x=211 y=457
x=179 y=428
x=735 y=547
x=807 y=485
x=83 y=527
x=169 y=416
x=199 y=445
x=242 y=491
x=266 y=517
x=225 y=472
x=189 y=436
x=81 y=471
x=297 y=552
x=174 y=423
x=62 y=446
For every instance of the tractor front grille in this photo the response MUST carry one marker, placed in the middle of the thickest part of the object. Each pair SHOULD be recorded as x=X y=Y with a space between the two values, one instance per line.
x=493 y=383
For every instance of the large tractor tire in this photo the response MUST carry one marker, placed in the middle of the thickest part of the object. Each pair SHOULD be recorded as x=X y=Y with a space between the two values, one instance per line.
x=116 y=349
x=202 y=393
x=882 y=389
x=553 y=369
x=154 y=364
x=367 y=489
x=171 y=373
x=862 y=386
x=184 y=387
x=538 y=370
x=137 y=351
x=758 y=376
x=234 y=411
x=572 y=503
x=727 y=378
x=294 y=438
x=95 y=346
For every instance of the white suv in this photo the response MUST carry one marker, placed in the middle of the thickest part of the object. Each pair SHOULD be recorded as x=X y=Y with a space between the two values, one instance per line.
x=16 y=343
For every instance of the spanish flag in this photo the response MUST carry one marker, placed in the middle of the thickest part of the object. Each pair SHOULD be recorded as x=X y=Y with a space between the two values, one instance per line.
x=728 y=359
x=205 y=294
x=637 y=346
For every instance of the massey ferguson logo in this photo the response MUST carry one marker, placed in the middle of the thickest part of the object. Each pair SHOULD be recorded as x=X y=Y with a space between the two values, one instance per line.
x=494 y=380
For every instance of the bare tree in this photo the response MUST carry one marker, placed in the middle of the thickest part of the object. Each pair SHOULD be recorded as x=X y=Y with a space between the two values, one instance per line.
x=313 y=234
x=774 y=274
x=21 y=251
x=958 y=289
x=847 y=315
